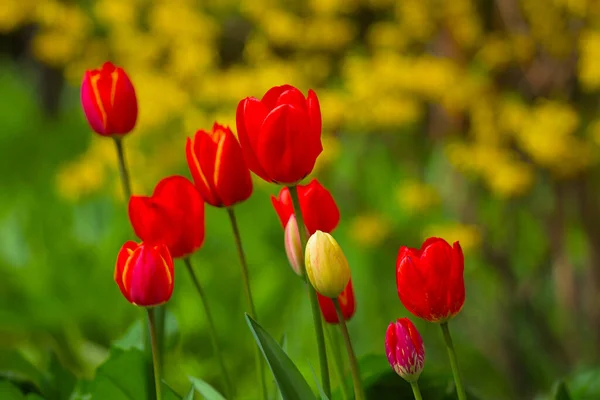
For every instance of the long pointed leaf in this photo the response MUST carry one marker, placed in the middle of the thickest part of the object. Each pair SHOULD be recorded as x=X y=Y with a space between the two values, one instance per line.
x=206 y=390
x=290 y=381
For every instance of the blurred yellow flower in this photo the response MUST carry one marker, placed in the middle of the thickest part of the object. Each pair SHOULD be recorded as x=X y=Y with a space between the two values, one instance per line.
x=14 y=13
x=468 y=236
x=417 y=197
x=369 y=230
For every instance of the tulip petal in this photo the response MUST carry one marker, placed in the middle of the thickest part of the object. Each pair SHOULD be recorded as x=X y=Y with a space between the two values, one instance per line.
x=250 y=115
x=436 y=261
x=411 y=286
x=456 y=293
x=123 y=103
x=319 y=209
x=120 y=268
x=282 y=146
x=233 y=183
x=294 y=97
x=201 y=159
x=283 y=205
x=151 y=279
x=314 y=115
x=174 y=214
x=270 y=98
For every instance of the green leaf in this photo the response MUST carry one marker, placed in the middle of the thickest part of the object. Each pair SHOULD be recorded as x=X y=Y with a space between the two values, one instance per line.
x=190 y=395
x=290 y=381
x=168 y=393
x=122 y=376
x=134 y=336
x=15 y=367
x=321 y=391
x=60 y=383
x=585 y=385
x=10 y=392
x=33 y=396
x=560 y=391
x=205 y=389
x=382 y=383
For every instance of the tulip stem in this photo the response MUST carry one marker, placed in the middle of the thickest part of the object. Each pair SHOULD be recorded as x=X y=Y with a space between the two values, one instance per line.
x=337 y=361
x=123 y=170
x=460 y=390
x=155 y=352
x=416 y=391
x=359 y=393
x=312 y=294
x=126 y=184
x=248 y=295
x=211 y=327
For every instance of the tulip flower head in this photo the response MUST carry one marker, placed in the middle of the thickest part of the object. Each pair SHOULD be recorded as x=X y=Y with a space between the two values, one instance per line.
x=109 y=101
x=319 y=210
x=326 y=265
x=145 y=273
x=404 y=349
x=217 y=165
x=173 y=215
x=293 y=247
x=280 y=134
x=347 y=305
x=430 y=280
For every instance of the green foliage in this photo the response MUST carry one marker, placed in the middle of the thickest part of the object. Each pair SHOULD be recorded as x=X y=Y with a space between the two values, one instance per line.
x=290 y=381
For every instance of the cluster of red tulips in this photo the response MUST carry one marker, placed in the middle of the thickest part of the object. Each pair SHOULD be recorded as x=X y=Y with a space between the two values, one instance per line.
x=279 y=139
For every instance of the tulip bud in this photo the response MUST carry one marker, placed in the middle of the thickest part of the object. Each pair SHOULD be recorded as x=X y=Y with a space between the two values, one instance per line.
x=404 y=349
x=145 y=273
x=293 y=247
x=109 y=101
x=326 y=265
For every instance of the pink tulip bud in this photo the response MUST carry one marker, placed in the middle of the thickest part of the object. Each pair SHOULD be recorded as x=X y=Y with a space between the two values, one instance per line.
x=404 y=348
x=293 y=248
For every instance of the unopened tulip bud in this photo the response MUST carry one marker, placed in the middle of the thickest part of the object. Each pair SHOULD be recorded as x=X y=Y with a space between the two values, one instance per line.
x=404 y=349
x=108 y=100
x=326 y=265
x=144 y=273
x=293 y=247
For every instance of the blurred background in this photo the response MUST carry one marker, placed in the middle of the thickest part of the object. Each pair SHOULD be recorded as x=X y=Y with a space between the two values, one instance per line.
x=475 y=121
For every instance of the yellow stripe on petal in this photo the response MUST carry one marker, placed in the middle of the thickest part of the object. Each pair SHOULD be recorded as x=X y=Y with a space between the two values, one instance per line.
x=166 y=265
x=126 y=282
x=218 y=157
x=94 y=84
x=197 y=163
x=113 y=90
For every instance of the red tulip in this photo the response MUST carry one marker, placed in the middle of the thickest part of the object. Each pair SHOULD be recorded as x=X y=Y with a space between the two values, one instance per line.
x=108 y=100
x=174 y=215
x=145 y=273
x=430 y=280
x=404 y=349
x=347 y=305
x=318 y=207
x=280 y=134
x=217 y=165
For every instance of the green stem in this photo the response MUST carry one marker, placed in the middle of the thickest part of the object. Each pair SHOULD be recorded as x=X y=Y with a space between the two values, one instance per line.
x=126 y=183
x=160 y=315
x=416 y=391
x=248 y=295
x=460 y=390
x=337 y=361
x=359 y=394
x=123 y=170
x=211 y=327
x=155 y=353
x=312 y=294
